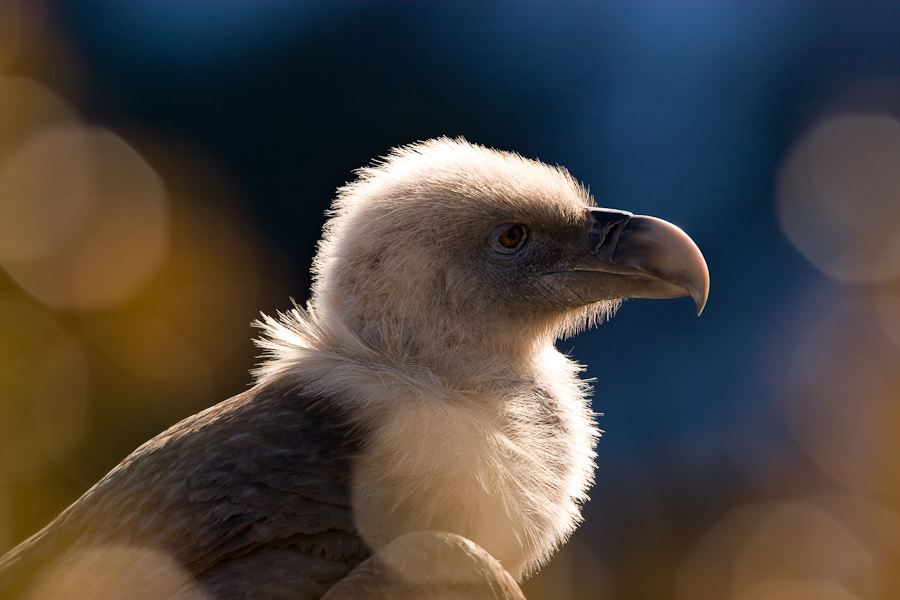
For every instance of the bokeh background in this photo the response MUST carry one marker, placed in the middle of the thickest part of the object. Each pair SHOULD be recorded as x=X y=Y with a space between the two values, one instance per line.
x=165 y=166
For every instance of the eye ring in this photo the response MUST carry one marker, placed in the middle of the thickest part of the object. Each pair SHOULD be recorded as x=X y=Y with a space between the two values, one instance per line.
x=509 y=237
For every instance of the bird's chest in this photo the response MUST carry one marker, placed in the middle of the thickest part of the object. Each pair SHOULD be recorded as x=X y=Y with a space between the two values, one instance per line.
x=489 y=474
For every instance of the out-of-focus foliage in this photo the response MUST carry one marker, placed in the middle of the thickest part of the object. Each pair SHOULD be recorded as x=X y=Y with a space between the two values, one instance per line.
x=164 y=168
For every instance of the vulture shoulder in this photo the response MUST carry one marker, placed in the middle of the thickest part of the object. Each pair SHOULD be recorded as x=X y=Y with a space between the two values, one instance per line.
x=250 y=498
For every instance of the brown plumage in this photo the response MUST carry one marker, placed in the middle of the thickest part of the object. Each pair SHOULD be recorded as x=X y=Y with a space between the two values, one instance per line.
x=418 y=390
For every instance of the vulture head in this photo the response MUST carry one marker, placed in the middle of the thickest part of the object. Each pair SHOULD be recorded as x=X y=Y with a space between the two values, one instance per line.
x=446 y=245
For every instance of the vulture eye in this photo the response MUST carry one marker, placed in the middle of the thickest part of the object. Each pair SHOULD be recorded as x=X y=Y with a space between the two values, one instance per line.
x=509 y=238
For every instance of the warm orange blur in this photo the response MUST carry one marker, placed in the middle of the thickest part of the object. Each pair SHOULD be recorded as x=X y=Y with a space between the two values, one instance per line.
x=129 y=288
x=115 y=572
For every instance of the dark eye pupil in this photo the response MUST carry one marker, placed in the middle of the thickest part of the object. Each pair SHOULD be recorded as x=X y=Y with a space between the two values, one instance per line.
x=511 y=237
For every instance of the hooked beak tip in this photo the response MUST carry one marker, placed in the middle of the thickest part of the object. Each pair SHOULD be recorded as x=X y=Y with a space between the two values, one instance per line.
x=700 y=297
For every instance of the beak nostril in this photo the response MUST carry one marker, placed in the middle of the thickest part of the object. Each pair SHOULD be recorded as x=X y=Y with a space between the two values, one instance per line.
x=606 y=227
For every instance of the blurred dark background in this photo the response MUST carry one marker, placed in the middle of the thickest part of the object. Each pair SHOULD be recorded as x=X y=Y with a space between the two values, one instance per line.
x=165 y=167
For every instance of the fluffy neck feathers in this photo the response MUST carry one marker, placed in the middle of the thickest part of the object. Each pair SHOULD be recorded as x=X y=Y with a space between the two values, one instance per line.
x=502 y=456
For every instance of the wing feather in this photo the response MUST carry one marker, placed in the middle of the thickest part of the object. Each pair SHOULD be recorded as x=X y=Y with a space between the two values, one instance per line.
x=253 y=491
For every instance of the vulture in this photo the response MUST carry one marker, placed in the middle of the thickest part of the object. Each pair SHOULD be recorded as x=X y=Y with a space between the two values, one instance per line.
x=415 y=407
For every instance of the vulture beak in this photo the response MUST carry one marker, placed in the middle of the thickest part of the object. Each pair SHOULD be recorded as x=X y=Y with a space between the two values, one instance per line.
x=633 y=256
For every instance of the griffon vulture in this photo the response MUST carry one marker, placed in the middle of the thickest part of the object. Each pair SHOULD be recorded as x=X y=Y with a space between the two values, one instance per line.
x=418 y=390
